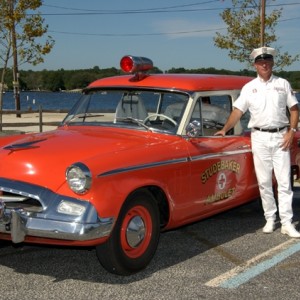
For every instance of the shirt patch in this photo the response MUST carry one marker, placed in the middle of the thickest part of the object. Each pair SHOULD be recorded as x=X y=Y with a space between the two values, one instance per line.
x=254 y=91
x=279 y=89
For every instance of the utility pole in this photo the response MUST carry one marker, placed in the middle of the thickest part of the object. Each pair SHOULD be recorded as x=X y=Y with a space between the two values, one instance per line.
x=262 y=22
x=16 y=85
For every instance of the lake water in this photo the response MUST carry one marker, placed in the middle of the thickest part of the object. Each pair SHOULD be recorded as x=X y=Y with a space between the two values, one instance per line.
x=48 y=100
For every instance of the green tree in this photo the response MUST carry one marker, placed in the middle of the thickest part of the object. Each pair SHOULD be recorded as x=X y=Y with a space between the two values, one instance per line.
x=243 y=27
x=53 y=81
x=80 y=79
x=5 y=52
x=32 y=44
x=23 y=40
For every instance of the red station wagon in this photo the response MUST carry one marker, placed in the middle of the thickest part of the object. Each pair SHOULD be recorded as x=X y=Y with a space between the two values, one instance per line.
x=134 y=157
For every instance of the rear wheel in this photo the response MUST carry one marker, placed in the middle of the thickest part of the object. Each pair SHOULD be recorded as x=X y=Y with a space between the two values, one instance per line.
x=135 y=236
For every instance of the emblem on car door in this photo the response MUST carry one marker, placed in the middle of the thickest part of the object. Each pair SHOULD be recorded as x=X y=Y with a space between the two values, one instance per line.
x=221 y=181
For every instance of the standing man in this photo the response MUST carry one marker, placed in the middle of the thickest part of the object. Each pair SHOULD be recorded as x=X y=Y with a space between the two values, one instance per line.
x=266 y=97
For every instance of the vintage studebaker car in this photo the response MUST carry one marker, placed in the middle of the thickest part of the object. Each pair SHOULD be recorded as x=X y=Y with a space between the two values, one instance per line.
x=134 y=157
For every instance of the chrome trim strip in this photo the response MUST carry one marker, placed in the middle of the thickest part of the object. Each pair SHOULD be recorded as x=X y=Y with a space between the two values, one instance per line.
x=220 y=154
x=175 y=161
x=144 y=166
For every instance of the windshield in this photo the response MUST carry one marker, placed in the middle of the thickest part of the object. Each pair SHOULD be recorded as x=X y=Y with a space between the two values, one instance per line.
x=148 y=110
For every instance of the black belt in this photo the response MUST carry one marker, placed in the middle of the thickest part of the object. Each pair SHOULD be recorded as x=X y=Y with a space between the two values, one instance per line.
x=269 y=130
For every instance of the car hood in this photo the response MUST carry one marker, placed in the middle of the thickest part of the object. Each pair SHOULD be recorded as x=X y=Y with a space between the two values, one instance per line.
x=43 y=158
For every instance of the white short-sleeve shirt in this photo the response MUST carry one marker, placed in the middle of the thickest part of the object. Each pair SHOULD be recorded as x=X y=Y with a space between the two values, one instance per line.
x=266 y=102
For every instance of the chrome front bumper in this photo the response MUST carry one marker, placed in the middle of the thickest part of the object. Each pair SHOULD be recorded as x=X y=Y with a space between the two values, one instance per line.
x=19 y=219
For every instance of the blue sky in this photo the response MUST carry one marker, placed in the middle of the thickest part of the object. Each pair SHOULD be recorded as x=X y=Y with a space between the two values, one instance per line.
x=184 y=38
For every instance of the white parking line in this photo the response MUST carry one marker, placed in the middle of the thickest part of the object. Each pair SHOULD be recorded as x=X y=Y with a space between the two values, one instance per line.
x=255 y=266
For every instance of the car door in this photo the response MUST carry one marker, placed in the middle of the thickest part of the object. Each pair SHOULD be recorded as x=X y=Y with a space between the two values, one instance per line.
x=222 y=173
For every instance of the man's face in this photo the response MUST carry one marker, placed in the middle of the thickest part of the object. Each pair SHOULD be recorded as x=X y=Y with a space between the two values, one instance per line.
x=264 y=67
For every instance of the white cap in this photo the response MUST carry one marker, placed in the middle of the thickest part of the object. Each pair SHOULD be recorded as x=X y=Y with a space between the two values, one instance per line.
x=263 y=53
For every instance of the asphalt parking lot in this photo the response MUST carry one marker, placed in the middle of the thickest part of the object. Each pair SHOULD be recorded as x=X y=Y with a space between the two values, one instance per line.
x=224 y=257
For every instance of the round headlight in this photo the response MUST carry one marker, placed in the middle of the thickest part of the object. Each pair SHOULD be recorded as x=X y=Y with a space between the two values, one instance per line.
x=79 y=178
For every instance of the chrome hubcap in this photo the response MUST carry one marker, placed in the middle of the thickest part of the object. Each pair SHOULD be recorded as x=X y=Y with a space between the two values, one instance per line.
x=135 y=232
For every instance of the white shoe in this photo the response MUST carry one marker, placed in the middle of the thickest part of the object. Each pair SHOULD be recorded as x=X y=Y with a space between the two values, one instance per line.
x=269 y=227
x=290 y=230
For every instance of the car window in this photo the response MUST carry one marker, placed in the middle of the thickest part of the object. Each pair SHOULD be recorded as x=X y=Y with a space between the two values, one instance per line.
x=211 y=113
x=245 y=120
x=158 y=110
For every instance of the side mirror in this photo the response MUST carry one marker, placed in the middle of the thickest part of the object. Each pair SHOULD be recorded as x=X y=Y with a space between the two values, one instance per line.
x=193 y=129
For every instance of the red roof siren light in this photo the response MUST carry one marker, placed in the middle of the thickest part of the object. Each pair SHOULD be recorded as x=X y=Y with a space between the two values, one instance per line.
x=135 y=64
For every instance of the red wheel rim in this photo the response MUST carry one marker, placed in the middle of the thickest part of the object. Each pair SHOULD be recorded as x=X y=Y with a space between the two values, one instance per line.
x=135 y=242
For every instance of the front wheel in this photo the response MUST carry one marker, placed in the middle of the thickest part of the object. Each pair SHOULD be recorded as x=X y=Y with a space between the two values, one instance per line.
x=135 y=236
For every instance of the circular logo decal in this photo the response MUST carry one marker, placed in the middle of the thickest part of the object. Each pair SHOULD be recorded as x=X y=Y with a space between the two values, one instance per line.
x=221 y=181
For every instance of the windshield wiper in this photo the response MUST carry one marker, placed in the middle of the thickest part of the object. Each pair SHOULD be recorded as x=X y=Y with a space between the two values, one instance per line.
x=134 y=121
x=83 y=116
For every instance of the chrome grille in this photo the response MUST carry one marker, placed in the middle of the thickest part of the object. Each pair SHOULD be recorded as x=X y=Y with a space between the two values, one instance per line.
x=15 y=201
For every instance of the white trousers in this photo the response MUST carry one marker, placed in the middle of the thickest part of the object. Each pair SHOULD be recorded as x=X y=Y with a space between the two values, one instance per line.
x=269 y=157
